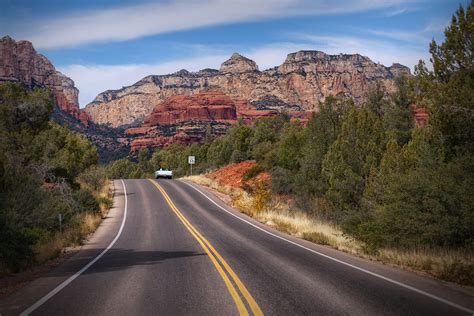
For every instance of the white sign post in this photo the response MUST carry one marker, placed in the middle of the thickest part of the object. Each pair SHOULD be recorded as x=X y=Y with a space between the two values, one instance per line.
x=60 y=217
x=191 y=162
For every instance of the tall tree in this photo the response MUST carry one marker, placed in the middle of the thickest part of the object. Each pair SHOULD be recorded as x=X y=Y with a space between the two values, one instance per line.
x=398 y=119
x=321 y=132
x=348 y=162
x=452 y=110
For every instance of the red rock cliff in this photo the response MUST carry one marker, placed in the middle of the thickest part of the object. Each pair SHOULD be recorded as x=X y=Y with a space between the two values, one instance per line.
x=19 y=61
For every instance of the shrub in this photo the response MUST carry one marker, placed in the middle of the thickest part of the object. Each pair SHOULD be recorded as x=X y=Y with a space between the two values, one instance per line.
x=252 y=172
x=94 y=177
x=282 y=180
x=16 y=250
x=86 y=202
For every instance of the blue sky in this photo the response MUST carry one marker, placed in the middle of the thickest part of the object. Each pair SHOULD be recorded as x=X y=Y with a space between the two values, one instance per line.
x=109 y=44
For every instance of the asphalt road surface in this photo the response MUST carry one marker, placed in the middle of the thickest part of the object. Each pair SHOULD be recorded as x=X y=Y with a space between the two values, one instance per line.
x=172 y=248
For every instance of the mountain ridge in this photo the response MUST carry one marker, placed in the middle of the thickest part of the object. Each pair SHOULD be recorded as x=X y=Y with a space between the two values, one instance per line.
x=300 y=83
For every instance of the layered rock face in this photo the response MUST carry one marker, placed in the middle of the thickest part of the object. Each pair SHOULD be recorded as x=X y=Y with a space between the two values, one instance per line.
x=19 y=61
x=204 y=106
x=300 y=83
x=185 y=119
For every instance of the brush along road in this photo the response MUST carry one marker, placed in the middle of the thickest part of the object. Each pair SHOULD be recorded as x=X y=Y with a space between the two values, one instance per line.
x=170 y=247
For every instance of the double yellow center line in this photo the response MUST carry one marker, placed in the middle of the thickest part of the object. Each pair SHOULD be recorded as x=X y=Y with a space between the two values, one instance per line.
x=221 y=265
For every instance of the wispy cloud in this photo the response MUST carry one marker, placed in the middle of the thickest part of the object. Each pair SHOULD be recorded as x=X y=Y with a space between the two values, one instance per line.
x=129 y=22
x=400 y=35
x=399 y=11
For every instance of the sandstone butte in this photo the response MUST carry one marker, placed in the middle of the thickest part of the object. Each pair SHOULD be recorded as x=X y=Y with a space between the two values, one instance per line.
x=20 y=62
x=300 y=83
x=185 y=119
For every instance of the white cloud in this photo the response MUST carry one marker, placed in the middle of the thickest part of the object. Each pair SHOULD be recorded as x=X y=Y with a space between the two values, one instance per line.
x=124 y=23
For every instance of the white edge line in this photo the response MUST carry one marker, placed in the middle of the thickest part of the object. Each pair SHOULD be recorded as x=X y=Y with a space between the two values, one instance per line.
x=470 y=311
x=61 y=286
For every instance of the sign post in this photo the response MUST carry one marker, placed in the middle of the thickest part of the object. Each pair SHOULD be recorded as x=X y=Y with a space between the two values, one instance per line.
x=60 y=217
x=191 y=162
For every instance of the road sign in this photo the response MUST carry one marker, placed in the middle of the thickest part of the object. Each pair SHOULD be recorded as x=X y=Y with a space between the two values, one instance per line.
x=191 y=160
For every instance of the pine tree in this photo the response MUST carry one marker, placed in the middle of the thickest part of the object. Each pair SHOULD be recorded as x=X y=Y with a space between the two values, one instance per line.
x=398 y=119
x=452 y=111
x=321 y=132
x=349 y=160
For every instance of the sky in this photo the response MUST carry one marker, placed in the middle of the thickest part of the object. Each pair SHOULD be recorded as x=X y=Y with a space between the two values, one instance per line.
x=105 y=44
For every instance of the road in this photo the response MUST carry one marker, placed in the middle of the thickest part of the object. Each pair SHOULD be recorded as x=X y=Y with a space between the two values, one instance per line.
x=172 y=248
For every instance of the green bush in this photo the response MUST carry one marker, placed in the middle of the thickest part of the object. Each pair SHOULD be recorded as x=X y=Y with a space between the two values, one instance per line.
x=120 y=169
x=86 y=202
x=252 y=172
x=281 y=180
x=16 y=247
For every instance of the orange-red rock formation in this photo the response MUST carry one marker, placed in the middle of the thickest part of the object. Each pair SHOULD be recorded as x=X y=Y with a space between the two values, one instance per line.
x=204 y=106
x=420 y=115
x=185 y=119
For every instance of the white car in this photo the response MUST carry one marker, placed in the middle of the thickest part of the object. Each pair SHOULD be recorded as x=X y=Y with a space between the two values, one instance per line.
x=163 y=173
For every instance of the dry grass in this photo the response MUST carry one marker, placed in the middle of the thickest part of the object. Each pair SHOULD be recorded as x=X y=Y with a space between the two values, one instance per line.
x=280 y=215
x=73 y=236
x=444 y=264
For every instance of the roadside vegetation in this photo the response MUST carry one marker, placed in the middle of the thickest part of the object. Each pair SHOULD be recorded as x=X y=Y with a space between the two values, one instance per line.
x=46 y=171
x=365 y=180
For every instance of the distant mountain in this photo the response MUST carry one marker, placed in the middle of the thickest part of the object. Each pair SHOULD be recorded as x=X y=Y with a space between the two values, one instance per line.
x=300 y=83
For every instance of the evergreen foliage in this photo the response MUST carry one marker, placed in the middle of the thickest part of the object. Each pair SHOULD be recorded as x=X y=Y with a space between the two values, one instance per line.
x=39 y=164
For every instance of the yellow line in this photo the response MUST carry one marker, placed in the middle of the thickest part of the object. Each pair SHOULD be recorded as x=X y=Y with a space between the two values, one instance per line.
x=212 y=252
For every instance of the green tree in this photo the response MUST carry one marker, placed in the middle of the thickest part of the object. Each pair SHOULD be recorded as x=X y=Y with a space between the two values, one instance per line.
x=376 y=98
x=320 y=134
x=350 y=158
x=398 y=119
x=452 y=92
x=417 y=200
x=120 y=169
x=289 y=149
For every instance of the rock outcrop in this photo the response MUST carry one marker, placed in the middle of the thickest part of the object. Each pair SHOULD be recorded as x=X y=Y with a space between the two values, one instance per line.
x=300 y=83
x=19 y=61
x=420 y=115
x=185 y=119
x=238 y=64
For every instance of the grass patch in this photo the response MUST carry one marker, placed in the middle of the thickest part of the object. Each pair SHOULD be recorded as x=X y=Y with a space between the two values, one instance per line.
x=316 y=237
